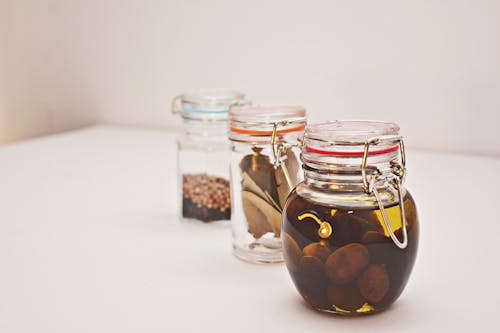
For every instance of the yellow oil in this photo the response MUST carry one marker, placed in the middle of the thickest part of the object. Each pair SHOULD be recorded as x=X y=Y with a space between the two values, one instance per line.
x=303 y=226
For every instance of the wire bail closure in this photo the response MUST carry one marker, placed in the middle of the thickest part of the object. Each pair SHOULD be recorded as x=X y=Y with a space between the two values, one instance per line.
x=278 y=150
x=399 y=172
x=174 y=106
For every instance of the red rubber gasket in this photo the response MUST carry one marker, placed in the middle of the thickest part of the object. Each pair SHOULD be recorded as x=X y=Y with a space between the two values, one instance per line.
x=351 y=153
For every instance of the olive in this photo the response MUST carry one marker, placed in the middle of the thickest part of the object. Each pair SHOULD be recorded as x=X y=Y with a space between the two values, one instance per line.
x=291 y=252
x=381 y=248
x=373 y=283
x=372 y=237
x=319 y=250
x=411 y=215
x=345 y=297
x=370 y=220
x=312 y=271
x=314 y=282
x=315 y=295
x=345 y=264
x=347 y=228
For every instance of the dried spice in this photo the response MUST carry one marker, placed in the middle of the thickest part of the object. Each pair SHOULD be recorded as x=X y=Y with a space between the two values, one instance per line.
x=260 y=170
x=264 y=188
x=205 y=198
x=262 y=217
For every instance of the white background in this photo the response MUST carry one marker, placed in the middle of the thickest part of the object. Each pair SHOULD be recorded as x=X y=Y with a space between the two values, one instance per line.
x=432 y=66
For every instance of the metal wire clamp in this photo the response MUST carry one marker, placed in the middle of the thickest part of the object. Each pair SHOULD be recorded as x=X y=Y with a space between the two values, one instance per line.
x=277 y=151
x=398 y=171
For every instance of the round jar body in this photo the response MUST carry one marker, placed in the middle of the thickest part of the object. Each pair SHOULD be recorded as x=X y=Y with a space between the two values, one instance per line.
x=259 y=191
x=265 y=167
x=358 y=269
x=203 y=154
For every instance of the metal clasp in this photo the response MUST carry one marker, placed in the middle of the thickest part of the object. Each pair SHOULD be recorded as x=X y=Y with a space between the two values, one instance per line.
x=399 y=172
x=279 y=148
x=174 y=107
x=277 y=151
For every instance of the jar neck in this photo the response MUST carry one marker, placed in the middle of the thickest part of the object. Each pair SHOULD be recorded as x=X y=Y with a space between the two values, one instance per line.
x=206 y=129
x=339 y=181
x=292 y=134
x=353 y=162
x=344 y=174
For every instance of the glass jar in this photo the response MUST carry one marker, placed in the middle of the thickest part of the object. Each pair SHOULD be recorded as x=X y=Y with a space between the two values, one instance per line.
x=203 y=154
x=265 y=167
x=349 y=244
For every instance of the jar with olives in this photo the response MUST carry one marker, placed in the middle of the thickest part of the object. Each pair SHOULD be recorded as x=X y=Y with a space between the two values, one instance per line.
x=350 y=229
x=265 y=167
x=203 y=154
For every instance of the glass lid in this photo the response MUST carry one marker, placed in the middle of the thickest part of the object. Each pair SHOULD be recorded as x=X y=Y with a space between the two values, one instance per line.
x=206 y=103
x=348 y=137
x=261 y=120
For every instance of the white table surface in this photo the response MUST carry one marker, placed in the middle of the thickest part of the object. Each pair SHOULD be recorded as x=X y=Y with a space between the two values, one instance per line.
x=90 y=242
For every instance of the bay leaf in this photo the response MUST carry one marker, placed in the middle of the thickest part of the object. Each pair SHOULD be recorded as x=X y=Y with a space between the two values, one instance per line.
x=247 y=184
x=271 y=201
x=261 y=216
x=287 y=175
x=260 y=169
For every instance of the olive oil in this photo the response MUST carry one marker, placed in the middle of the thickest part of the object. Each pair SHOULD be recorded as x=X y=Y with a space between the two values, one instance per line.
x=355 y=267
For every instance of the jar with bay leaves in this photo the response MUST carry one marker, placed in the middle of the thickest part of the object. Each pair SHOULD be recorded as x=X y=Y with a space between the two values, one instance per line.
x=265 y=167
x=203 y=154
x=350 y=230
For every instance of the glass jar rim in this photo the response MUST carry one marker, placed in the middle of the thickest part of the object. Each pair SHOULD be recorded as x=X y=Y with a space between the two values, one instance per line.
x=263 y=120
x=351 y=130
x=206 y=104
x=348 y=137
x=212 y=97
x=266 y=113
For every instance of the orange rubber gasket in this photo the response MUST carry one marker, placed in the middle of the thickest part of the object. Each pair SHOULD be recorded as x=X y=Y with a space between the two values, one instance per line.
x=256 y=132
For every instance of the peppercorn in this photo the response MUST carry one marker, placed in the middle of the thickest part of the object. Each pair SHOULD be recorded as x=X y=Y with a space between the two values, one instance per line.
x=206 y=198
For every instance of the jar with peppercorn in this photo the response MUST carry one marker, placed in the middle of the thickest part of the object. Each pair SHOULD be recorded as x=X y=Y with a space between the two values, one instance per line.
x=350 y=230
x=265 y=167
x=203 y=154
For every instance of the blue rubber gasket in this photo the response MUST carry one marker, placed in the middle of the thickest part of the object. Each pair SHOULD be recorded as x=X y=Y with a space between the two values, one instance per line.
x=188 y=110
